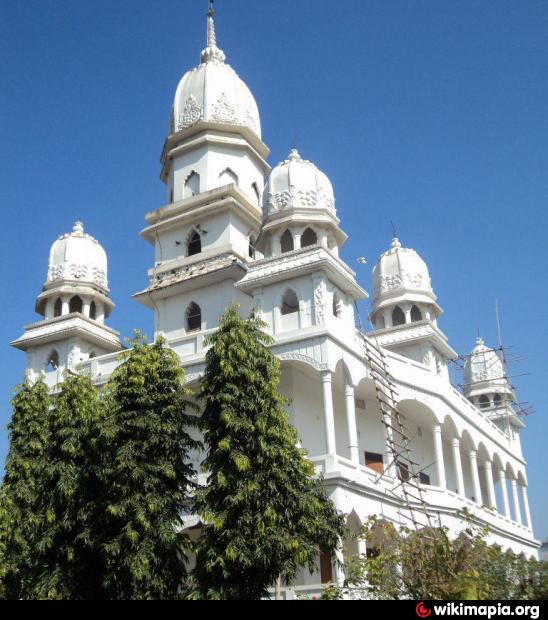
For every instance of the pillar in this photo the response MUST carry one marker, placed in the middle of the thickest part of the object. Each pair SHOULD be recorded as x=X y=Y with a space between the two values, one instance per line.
x=351 y=423
x=526 y=509
x=65 y=308
x=328 y=415
x=276 y=245
x=100 y=312
x=297 y=240
x=492 y=502
x=438 y=455
x=504 y=490
x=407 y=311
x=515 y=498
x=475 y=477
x=455 y=444
x=387 y=318
x=85 y=306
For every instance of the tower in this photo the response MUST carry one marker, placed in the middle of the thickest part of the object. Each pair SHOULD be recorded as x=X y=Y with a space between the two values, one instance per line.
x=405 y=309
x=213 y=164
x=74 y=303
x=486 y=385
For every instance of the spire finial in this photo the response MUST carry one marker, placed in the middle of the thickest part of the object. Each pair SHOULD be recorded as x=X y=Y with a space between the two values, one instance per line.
x=78 y=228
x=212 y=52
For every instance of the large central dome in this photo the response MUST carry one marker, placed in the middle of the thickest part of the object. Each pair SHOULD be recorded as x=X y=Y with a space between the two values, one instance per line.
x=213 y=92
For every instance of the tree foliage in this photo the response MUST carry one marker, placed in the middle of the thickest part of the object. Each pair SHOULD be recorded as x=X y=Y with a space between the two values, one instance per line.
x=429 y=564
x=266 y=514
x=145 y=474
x=21 y=490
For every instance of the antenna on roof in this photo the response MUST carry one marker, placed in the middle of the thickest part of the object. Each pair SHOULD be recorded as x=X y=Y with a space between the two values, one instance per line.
x=211 y=8
x=394 y=231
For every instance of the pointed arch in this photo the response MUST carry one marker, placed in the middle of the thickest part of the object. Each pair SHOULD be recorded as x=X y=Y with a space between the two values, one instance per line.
x=484 y=401
x=52 y=362
x=58 y=307
x=93 y=310
x=309 y=238
x=398 y=316
x=228 y=177
x=287 y=242
x=75 y=305
x=194 y=243
x=290 y=302
x=193 y=317
x=416 y=314
x=192 y=184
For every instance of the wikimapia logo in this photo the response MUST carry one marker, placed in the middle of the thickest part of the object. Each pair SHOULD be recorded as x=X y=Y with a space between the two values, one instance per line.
x=473 y=609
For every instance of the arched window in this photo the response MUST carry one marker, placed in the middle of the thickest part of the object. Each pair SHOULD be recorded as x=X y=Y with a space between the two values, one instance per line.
x=337 y=306
x=287 y=242
x=92 y=310
x=228 y=177
x=256 y=193
x=75 y=304
x=194 y=245
x=309 y=238
x=497 y=399
x=290 y=302
x=416 y=314
x=58 y=308
x=193 y=318
x=398 y=317
x=53 y=361
x=192 y=185
x=484 y=401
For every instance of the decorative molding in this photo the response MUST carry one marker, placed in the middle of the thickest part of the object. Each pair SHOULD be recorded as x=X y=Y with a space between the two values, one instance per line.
x=299 y=198
x=320 y=301
x=78 y=272
x=75 y=357
x=191 y=114
x=223 y=111
x=299 y=357
x=174 y=276
x=403 y=279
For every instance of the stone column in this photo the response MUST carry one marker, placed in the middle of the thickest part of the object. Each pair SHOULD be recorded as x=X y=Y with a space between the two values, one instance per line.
x=515 y=498
x=323 y=238
x=328 y=416
x=526 y=509
x=455 y=444
x=49 y=309
x=100 y=313
x=351 y=423
x=65 y=308
x=387 y=313
x=475 y=477
x=407 y=312
x=504 y=490
x=85 y=306
x=276 y=245
x=490 y=486
x=438 y=455
x=297 y=239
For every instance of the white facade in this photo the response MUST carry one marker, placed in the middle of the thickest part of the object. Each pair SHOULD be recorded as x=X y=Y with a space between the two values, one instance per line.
x=233 y=231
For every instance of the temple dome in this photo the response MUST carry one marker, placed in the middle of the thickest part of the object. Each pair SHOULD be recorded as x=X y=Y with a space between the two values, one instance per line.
x=297 y=183
x=402 y=275
x=213 y=92
x=78 y=257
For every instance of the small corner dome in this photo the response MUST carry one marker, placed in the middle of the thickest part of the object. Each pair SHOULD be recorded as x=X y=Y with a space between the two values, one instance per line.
x=78 y=257
x=402 y=275
x=297 y=183
x=482 y=367
x=213 y=92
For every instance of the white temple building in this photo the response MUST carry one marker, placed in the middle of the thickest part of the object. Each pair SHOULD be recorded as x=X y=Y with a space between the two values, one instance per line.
x=233 y=230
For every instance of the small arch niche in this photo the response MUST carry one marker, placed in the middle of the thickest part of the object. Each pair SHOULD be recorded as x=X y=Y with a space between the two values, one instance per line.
x=287 y=242
x=416 y=314
x=93 y=310
x=309 y=238
x=228 y=177
x=484 y=401
x=53 y=361
x=75 y=305
x=289 y=311
x=192 y=185
x=193 y=318
x=398 y=317
x=58 y=308
x=194 y=245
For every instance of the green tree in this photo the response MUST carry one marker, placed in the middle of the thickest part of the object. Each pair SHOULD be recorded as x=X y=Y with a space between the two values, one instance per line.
x=266 y=513
x=66 y=561
x=22 y=486
x=146 y=474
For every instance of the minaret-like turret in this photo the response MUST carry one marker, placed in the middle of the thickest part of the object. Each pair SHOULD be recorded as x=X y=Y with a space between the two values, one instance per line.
x=74 y=303
x=405 y=309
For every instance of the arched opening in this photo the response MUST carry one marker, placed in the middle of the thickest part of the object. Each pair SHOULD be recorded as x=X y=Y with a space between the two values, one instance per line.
x=416 y=314
x=256 y=193
x=337 y=306
x=193 y=318
x=194 y=245
x=484 y=401
x=497 y=399
x=58 y=308
x=287 y=242
x=228 y=177
x=53 y=361
x=398 y=317
x=93 y=310
x=92 y=355
x=252 y=247
x=309 y=238
x=290 y=302
x=75 y=305
x=192 y=185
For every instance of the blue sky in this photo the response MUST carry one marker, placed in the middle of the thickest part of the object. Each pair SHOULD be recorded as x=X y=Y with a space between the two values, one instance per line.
x=431 y=114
